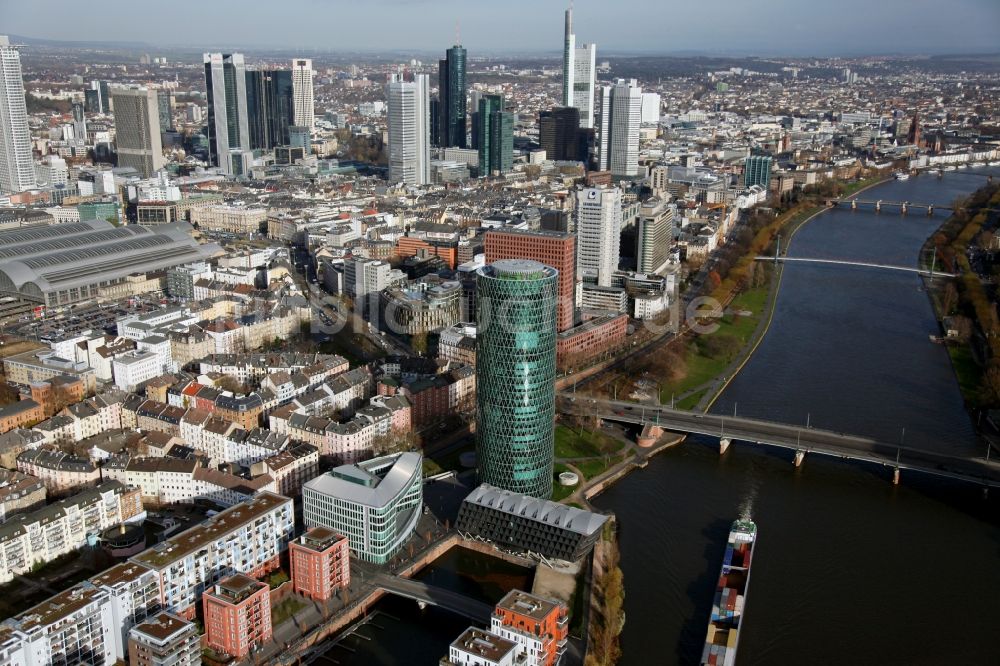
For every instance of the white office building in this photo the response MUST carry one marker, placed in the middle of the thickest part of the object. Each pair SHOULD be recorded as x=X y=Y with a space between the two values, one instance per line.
x=598 y=230
x=375 y=504
x=409 y=131
x=302 y=93
x=137 y=129
x=17 y=168
x=650 y=108
x=579 y=74
x=620 y=119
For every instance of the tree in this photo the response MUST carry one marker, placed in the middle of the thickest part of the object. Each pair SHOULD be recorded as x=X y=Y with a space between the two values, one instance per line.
x=949 y=298
x=419 y=343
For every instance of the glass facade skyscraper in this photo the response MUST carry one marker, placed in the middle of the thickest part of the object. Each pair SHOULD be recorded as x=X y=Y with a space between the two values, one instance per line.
x=228 y=129
x=757 y=171
x=515 y=375
x=270 y=108
x=451 y=96
x=495 y=136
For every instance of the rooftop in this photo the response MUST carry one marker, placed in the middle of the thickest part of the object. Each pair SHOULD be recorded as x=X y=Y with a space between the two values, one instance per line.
x=162 y=627
x=523 y=603
x=544 y=511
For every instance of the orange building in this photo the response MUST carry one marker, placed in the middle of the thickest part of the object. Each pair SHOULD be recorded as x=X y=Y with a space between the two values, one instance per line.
x=20 y=414
x=237 y=615
x=409 y=246
x=321 y=563
x=539 y=626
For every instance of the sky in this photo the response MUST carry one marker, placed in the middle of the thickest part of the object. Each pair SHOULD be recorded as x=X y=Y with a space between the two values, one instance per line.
x=751 y=27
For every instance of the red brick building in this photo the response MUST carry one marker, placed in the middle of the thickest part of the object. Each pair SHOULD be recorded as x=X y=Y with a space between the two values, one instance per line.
x=582 y=343
x=320 y=561
x=552 y=248
x=237 y=615
x=538 y=625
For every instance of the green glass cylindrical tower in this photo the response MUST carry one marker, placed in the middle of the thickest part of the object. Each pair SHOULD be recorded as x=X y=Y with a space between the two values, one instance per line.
x=515 y=375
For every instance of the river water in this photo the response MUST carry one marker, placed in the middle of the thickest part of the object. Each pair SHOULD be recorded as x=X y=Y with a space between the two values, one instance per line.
x=848 y=568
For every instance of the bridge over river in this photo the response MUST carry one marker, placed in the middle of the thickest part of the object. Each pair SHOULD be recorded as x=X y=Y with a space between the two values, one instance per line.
x=799 y=439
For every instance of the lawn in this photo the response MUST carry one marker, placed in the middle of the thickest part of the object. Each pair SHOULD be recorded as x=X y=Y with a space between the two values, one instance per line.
x=573 y=444
x=285 y=610
x=702 y=368
x=966 y=370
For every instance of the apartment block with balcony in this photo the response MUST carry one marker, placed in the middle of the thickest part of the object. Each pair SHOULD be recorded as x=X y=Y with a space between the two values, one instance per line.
x=538 y=625
x=164 y=640
x=320 y=562
x=237 y=615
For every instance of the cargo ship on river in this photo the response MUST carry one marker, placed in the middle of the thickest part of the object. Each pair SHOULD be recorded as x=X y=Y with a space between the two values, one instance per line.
x=730 y=596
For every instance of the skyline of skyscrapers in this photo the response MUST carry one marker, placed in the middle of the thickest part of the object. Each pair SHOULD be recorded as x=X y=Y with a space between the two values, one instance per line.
x=17 y=164
x=579 y=74
x=452 y=100
x=302 y=90
x=515 y=375
x=409 y=130
x=228 y=127
x=137 y=129
x=620 y=120
x=598 y=230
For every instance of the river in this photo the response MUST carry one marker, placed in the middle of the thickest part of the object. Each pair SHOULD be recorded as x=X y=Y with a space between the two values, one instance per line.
x=848 y=568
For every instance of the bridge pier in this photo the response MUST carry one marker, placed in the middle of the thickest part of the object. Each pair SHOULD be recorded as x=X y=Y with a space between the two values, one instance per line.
x=800 y=455
x=422 y=605
x=902 y=208
x=930 y=210
x=878 y=206
x=854 y=204
x=895 y=476
x=724 y=445
x=989 y=178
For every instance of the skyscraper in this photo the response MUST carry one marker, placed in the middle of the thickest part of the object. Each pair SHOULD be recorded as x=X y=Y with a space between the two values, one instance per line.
x=17 y=166
x=137 y=129
x=302 y=86
x=757 y=171
x=409 y=130
x=165 y=108
x=654 y=235
x=451 y=98
x=228 y=129
x=598 y=233
x=620 y=119
x=515 y=375
x=559 y=134
x=495 y=136
x=97 y=97
x=579 y=74
x=270 y=107
x=79 y=121
x=552 y=248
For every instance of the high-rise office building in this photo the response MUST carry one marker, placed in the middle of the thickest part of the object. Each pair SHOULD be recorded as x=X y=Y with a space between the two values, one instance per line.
x=452 y=98
x=757 y=171
x=409 y=130
x=620 y=119
x=579 y=74
x=515 y=375
x=79 y=121
x=552 y=248
x=270 y=107
x=654 y=235
x=598 y=233
x=228 y=127
x=495 y=136
x=559 y=134
x=97 y=98
x=137 y=129
x=165 y=109
x=302 y=87
x=17 y=167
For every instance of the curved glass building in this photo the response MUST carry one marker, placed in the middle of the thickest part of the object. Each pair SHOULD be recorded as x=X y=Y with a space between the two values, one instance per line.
x=515 y=375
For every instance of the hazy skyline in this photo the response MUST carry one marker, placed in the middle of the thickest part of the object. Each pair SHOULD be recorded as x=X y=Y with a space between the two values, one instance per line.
x=773 y=27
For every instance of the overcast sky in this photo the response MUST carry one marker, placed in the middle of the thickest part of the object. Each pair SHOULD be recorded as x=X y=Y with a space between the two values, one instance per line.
x=800 y=27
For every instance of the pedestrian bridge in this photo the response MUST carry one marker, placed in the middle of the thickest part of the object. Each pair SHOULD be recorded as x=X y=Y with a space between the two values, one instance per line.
x=423 y=593
x=800 y=439
x=865 y=264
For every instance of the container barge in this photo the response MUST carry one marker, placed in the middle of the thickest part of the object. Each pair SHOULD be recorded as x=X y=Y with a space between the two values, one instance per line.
x=730 y=596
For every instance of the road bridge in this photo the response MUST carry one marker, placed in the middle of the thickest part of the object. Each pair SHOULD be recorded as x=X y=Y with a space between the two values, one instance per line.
x=799 y=439
x=866 y=264
x=423 y=593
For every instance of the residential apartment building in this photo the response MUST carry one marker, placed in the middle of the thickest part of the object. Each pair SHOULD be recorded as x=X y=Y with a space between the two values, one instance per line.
x=320 y=563
x=237 y=615
x=248 y=538
x=164 y=640
x=539 y=626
